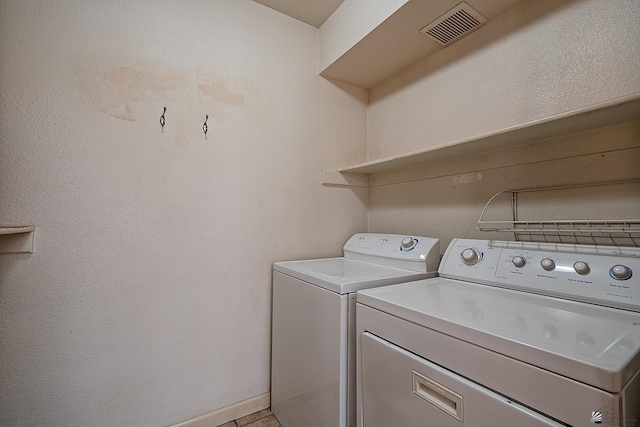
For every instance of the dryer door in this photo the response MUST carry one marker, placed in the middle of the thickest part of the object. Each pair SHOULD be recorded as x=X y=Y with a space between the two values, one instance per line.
x=402 y=389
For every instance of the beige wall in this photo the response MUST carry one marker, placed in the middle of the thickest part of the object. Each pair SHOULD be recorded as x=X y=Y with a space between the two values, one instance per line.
x=147 y=299
x=539 y=59
x=449 y=205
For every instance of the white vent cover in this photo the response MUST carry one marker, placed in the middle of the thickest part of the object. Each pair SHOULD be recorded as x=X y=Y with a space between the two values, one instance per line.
x=455 y=24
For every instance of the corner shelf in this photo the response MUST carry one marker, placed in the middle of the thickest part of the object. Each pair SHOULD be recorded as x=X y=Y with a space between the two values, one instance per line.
x=17 y=239
x=615 y=111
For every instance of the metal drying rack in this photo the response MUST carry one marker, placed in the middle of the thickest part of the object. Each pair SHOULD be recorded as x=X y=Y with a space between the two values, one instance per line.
x=614 y=232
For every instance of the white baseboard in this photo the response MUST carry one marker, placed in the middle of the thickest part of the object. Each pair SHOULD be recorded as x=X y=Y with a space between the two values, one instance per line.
x=228 y=413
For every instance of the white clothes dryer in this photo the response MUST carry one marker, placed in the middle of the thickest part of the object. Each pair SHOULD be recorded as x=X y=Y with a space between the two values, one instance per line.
x=510 y=334
x=313 y=328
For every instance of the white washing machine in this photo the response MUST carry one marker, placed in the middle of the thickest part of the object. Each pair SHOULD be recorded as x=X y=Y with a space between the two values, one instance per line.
x=313 y=329
x=510 y=334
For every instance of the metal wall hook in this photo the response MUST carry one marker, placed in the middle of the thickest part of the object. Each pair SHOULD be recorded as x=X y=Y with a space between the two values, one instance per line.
x=205 y=128
x=162 y=119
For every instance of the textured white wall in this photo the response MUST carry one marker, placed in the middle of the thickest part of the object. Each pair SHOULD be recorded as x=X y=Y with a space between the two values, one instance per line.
x=539 y=59
x=147 y=300
x=449 y=205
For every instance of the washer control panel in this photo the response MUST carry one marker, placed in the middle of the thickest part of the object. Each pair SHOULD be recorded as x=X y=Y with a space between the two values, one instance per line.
x=603 y=275
x=396 y=250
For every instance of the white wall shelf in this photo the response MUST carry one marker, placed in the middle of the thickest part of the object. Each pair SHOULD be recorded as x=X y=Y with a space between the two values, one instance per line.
x=17 y=239
x=359 y=42
x=616 y=111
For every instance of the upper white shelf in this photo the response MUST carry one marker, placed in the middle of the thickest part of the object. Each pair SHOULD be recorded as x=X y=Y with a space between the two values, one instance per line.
x=365 y=42
x=17 y=230
x=17 y=239
x=596 y=116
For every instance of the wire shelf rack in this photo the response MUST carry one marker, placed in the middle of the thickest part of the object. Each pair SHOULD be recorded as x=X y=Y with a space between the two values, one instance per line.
x=612 y=232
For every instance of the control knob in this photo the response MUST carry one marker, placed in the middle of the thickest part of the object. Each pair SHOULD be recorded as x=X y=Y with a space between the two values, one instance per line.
x=408 y=243
x=470 y=256
x=581 y=267
x=620 y=272
x=548 y=264
x=519 y=261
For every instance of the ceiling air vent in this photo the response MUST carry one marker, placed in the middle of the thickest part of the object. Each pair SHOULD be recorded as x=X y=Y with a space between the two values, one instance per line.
x=455 y=24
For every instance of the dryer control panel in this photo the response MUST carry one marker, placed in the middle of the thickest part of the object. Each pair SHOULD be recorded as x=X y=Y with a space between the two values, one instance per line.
x=604 y=275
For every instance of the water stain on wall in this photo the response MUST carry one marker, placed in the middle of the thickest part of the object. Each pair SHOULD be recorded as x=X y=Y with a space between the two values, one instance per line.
x=220 y=93
x=129 y=77
x=118 y=90
x=114 y=91
x=136 y=90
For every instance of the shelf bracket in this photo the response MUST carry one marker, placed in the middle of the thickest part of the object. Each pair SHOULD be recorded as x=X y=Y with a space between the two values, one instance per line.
x=344 y=179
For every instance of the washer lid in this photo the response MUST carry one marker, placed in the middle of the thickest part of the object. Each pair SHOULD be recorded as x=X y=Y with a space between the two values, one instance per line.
x=592 y=344
x=344 y=275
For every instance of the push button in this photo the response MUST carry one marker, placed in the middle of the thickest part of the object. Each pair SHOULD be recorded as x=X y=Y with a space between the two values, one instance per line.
x=548 y=264
x=620 y=272
x=581 y=267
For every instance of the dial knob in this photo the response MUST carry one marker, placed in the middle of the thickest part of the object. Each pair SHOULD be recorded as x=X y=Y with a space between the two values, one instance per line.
x=620 y=272
x=581 y=267
x=408 y=243
x=548 y=264
x=519 y=261
x=470 y=256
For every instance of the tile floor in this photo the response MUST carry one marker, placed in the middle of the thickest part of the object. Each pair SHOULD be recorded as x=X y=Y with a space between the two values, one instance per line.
x=262 y=418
